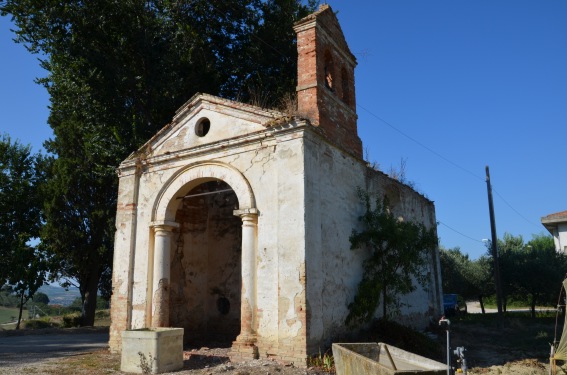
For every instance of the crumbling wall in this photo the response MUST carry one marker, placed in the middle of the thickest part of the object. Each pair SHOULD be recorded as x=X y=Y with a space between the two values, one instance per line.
x=333 y=269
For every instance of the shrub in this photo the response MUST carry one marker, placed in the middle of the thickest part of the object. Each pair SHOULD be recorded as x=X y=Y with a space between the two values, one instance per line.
x=72 y=320
x=39 y=323
x=102 y=314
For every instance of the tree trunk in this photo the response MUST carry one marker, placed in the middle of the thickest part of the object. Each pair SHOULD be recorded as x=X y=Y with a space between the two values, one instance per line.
x=89 y=301
x=481 y=304
x=21 y=309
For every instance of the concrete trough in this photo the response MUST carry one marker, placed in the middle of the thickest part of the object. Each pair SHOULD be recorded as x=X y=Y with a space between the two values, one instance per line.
x=152 y=350
x=381 y=359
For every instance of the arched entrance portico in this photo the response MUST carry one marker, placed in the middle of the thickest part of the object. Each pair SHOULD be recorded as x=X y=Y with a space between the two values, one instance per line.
x=164 y=225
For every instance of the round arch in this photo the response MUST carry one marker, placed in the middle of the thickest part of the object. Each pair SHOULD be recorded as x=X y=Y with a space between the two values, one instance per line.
x=189 y=177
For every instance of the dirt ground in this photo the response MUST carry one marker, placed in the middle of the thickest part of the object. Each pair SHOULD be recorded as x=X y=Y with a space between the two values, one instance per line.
x=215 y=361
x=516 y=346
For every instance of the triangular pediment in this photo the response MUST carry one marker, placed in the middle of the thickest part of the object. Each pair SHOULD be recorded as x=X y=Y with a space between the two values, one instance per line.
x=206 y=120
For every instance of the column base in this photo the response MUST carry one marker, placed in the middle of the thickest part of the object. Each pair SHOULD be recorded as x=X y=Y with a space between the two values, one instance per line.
x=243 y=349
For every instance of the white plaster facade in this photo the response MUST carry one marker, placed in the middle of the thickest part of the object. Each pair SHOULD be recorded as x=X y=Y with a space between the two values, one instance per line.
x=556 y=224
x=235 y=220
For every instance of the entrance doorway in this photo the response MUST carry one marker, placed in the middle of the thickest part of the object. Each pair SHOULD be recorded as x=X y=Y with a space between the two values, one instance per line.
x=206 y=265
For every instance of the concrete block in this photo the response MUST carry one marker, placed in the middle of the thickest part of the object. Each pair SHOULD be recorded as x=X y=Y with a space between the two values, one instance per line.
x=153 y=350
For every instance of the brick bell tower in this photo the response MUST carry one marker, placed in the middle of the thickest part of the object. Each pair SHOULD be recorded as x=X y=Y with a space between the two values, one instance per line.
x=325 y=79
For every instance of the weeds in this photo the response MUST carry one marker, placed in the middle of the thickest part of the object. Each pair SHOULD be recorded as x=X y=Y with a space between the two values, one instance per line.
x=145 y=364
x=323 y=361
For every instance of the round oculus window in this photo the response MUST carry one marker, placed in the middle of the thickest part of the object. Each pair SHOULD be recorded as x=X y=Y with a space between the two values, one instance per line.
x=203 y=126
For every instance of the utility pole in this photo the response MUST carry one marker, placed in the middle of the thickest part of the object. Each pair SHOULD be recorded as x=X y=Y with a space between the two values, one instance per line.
x=494 y=246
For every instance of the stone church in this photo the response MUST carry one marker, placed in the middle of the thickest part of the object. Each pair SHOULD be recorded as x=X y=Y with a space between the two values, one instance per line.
x=234 y=220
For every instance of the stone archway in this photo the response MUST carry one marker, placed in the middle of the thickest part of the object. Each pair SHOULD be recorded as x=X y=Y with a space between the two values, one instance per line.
x=206 y=263
x=164 y=225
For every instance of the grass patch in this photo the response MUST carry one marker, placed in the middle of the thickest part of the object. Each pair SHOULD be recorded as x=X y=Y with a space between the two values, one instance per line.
x=8 y=314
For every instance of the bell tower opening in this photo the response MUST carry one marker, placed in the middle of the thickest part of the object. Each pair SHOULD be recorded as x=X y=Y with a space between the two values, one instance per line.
x=325 y=79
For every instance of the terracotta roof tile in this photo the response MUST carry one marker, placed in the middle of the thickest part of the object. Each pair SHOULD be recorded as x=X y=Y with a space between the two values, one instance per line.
x=557 y=215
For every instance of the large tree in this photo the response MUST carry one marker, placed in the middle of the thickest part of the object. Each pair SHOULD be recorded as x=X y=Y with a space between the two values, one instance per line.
x=24 y=266
x=470 y=278
x=454 y=268
x=400 y=255
x=532 y=271
x=117 y=70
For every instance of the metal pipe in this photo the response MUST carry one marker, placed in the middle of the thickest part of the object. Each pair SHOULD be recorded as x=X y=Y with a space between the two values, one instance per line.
x=447 y=324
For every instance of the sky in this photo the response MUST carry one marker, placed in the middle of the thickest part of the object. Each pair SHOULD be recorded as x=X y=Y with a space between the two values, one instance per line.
x=446 y=86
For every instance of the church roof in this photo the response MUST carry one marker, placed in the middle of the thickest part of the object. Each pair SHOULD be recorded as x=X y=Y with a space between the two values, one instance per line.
x=227 y=119
x=554 y=218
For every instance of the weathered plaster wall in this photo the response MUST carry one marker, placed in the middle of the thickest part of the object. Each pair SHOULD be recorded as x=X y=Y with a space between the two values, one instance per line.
x=332 y=211
x=271 y=162
x=305 y=192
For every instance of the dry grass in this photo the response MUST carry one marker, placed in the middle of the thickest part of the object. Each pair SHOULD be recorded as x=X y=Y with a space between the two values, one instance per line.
x=95 y=363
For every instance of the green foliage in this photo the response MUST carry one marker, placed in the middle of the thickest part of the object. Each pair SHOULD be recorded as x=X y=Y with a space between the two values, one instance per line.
x=323 y=361
x=531 y=271
x=7 y=297
x=77 y=304
x=41 y=298
x=8 y=314
x=40 y=323
x=72 y=320
x=400 y=253
x=454 y=266
x=24 y=267
x=461 y=275
x=116 y=73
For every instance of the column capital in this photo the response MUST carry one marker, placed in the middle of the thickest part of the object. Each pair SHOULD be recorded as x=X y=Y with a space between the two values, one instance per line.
x=245 y=212
x=164 y=225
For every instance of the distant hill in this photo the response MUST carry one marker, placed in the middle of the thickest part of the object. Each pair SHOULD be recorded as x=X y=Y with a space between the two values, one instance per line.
x=59 y=296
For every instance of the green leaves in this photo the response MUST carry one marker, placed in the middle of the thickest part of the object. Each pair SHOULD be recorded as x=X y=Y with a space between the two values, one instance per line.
x=116 y=73
x=400 y=252
x=24 y=266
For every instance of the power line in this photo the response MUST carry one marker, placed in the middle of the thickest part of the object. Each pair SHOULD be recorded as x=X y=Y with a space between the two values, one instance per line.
x=516 y=211
x=421 y=144
x=462 y=234
x=408 y=137
x=448 y=161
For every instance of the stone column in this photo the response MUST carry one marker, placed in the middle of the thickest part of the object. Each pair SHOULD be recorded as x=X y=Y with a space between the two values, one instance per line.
x=161 y=272
x=245 y=345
